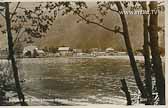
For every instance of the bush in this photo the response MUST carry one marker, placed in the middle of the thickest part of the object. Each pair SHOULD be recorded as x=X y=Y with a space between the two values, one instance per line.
x=5 y=84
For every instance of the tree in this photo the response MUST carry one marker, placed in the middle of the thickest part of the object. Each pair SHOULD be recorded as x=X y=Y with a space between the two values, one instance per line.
x=35 y=53
x=11 y=55
x=146 y=53
x=156 y=60
x=34 y=21
x=157 y=67
x=108 y=6
x=104 y=7
x=130 y=52
x=15 y=22
x=18 y=48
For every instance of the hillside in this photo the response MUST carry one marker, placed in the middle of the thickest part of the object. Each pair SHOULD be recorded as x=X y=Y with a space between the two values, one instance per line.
x=66 y=31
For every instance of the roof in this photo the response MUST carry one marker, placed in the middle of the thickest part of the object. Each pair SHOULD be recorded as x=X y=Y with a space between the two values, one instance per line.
x=109 y=49
x=63 y=48
x=31 y=47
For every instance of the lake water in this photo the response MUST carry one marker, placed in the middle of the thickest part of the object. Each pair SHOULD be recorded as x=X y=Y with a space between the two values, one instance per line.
x=87 y=80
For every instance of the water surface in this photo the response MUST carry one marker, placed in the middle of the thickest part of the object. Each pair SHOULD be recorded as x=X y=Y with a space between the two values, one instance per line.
x=91 y=80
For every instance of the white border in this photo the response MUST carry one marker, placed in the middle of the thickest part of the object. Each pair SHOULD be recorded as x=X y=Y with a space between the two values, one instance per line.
x=111 y=106
x=70 y=0
x=166 y=50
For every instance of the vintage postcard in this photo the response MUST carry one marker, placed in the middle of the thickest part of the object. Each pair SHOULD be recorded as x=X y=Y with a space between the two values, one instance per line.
x=82 y=53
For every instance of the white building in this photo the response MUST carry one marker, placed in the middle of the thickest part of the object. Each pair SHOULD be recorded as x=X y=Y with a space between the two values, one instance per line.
x=65 y=51
x=41 y=52
x=30 y=49
x=109 y=50
x=98 y=54
x=122 y=53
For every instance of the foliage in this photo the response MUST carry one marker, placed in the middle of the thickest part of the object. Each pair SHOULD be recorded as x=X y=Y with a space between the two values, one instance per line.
x=5 y=84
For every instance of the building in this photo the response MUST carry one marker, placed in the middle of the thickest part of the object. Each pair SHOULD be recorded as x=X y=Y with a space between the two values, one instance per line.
x=121 y=53
x=41 y=52
x=29 y=50
x=65 y=51
x=83 y=55
x=98 y=54
x=109 y=50
x=32 y=51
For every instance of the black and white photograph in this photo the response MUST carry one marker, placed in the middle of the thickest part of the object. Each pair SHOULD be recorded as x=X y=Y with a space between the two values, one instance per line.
x=82 y=53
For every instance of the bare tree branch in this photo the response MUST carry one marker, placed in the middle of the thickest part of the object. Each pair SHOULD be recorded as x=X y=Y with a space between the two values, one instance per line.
x=113 y=10
x=106 y=28
x=17 y=37
x=15 y=10
x=109 y=7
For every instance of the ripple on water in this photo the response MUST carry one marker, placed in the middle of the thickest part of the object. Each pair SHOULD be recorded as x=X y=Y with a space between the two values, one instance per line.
x=88 y=80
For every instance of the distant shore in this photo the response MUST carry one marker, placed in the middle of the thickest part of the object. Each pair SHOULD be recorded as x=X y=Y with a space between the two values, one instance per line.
x=123 y=57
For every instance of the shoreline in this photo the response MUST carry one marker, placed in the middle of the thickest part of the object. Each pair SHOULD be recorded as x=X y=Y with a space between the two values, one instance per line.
x=36 y=101
x=123 y=57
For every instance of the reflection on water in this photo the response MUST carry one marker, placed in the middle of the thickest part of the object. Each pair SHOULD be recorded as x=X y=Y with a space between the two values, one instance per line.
x=79 y=79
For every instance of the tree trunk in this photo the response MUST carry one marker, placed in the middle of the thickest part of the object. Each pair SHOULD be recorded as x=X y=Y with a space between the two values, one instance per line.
x=11 y=55
x=127 y=93
x=156 y=59
x=130 y=52
x=146 y=53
